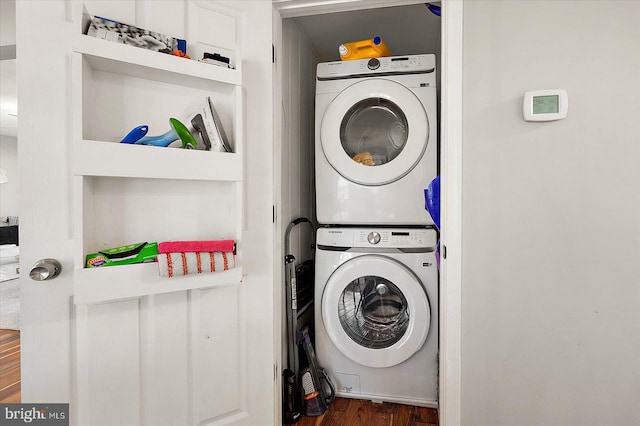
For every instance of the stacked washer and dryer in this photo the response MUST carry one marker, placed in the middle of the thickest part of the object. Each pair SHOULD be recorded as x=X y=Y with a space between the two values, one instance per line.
x=376 y=284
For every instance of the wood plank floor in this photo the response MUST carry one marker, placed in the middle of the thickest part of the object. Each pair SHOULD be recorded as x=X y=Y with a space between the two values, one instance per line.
x=9 y=366
x=355 y=412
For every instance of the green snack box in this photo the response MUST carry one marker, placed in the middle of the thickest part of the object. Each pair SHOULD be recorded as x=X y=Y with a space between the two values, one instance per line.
x=125 y=255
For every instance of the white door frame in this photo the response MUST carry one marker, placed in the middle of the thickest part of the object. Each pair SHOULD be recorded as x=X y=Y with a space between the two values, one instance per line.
x=451 y=218
x=451 y=172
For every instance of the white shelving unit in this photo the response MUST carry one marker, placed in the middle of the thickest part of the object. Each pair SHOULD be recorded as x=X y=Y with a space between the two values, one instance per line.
x=99 y=158
x=115 y=88
x=104 y=284
x=124 y=59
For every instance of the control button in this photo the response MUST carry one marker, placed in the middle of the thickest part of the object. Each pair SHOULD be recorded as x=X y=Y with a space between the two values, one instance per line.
x=373 y=238
x=373 y=64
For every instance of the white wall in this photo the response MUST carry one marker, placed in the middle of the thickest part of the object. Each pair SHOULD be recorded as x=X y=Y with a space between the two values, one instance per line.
x=8 y=142
x=297 y=61
x=551 y=216
x=7 y=22
x=9 y=162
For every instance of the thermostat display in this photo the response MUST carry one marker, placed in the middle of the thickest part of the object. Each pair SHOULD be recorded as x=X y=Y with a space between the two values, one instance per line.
x=545 y=105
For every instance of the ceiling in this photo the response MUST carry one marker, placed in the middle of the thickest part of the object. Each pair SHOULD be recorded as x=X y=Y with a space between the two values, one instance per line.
x=406 y=30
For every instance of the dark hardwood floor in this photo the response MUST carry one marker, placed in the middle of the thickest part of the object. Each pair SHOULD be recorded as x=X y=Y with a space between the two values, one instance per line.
x=355 y=412
x=9 y=366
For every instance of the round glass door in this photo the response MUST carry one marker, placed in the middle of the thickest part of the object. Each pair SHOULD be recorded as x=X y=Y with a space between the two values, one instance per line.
x=375 y=311
x=374 y=132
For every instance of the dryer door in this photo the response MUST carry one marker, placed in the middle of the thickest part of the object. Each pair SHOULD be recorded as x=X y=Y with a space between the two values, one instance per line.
x=374 y=132
x=376 y=311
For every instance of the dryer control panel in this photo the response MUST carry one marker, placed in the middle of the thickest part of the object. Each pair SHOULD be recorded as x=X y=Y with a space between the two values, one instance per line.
x=370 y=67
x=378 y=237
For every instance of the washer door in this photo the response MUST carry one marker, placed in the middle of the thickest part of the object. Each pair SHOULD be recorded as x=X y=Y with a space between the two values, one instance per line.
x=374 y=132
x=375 y=311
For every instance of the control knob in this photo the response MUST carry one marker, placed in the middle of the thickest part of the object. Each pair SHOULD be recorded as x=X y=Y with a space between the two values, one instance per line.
x=373 y=238
x=373 y=64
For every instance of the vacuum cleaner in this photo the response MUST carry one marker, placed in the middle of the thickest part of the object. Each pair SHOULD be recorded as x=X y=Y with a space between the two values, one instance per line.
x=290 y=376
x=309 y=390
x=318 y=390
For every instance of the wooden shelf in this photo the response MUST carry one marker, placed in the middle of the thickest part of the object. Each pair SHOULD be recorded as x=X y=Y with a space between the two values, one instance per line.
x=98 y=158
x=120 y=58
x=97 y=285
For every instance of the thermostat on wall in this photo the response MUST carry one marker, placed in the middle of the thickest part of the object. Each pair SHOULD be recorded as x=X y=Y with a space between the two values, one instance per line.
x=545 y=105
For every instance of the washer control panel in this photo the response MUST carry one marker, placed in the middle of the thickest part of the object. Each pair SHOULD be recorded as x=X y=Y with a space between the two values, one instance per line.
x=398 y=238
x=379 y=238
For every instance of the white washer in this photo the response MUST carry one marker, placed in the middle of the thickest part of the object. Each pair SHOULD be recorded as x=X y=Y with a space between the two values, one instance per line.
x=376 y=140
x=376 y=313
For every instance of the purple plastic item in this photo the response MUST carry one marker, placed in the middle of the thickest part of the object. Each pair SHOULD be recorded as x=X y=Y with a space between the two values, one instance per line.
x=432 y=205
x=432 y=200
x=436 y=10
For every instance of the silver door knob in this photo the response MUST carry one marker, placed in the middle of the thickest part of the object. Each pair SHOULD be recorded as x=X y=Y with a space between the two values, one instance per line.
x=45 y=269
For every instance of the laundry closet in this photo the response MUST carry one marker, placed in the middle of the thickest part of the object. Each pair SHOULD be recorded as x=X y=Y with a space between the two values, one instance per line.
x=301 y=43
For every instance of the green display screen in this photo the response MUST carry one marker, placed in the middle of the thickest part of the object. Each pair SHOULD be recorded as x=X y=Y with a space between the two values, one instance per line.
x=546 y=104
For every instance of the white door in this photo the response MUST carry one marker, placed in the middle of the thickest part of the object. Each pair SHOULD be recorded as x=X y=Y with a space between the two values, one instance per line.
x=376 y=311
x=374 y=132
x=120 y=344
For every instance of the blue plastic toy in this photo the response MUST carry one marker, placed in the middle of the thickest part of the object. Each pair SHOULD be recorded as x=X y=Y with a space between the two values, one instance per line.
x=136 y=134
x=178 y=131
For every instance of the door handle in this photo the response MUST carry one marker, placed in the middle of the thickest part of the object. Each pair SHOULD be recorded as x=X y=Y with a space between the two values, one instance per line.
x=45 y=269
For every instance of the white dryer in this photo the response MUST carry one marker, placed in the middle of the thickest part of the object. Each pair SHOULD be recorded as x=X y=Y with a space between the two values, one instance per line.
x=376 y=140
x=376 y=313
